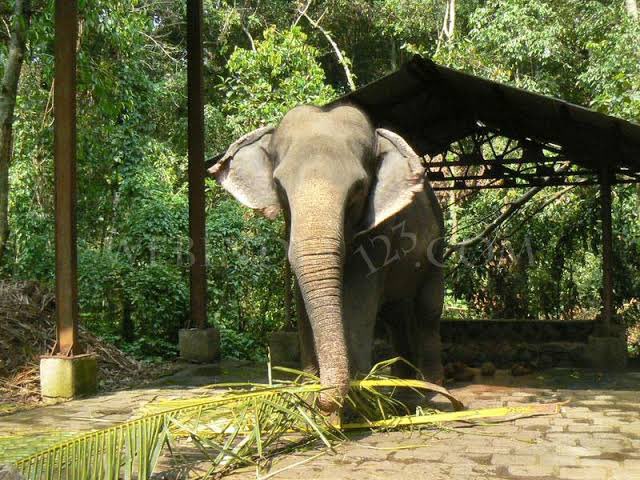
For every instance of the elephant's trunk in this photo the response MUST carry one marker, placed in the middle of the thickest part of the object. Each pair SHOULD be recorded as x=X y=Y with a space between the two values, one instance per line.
x=317 y=254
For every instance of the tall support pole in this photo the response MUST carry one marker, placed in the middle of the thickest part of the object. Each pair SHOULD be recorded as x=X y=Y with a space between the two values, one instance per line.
x=607 y=250
x=65 y=177
x=198 y=292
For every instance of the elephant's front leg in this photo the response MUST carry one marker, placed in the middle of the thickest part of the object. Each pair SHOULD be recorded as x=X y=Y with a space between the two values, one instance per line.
x=361 y=294
x=308 y=357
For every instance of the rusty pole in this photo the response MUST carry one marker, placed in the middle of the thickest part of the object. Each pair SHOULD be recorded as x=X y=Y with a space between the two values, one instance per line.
x=607 y=250
x=195 y=134
x=66 y=32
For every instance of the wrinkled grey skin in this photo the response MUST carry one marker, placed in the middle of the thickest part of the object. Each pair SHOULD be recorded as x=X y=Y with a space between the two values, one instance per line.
x=364 y=239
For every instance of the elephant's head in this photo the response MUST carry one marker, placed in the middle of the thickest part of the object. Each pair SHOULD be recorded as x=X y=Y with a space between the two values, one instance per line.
x=334 y=176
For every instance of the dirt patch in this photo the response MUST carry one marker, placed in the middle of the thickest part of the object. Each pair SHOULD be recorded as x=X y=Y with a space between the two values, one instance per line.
x=27 y=331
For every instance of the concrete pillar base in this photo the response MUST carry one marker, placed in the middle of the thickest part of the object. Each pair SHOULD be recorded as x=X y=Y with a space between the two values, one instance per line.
x=285 y=349
x=68 y=377
x=199 y=345
x=607 y=353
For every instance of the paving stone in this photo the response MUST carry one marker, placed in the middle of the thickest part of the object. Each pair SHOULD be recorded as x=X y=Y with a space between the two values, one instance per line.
x=585 y=427
x=418 y=455
x=612 y=421
x=534 y=421
x=577 y=451
x=579 y=473
x=606 y=444
x=631 y=428
x=571 y=412
x=530 y=470
x=558 y=460
x=625 y=474
x=500 y=459
x=594 y=402
x=604 y=397
x=598 y=462
x=483 y=449
x=563 y=438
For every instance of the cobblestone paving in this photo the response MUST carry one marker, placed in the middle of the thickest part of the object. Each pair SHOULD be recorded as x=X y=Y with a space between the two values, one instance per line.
x=596 y=435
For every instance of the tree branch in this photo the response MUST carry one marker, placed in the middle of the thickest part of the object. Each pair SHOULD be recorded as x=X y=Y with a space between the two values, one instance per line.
x=512 y=207
x=336 y=50
x=8 y=94
x=632 y=8
x=248 y=34
x=540 y=208
x=301 y=13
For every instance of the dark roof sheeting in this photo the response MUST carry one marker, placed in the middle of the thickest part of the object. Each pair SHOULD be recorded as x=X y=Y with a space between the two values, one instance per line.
x=432 y=106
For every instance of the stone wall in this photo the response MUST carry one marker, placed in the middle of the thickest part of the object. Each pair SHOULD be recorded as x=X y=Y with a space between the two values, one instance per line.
x=540 y=343
x=535 y=343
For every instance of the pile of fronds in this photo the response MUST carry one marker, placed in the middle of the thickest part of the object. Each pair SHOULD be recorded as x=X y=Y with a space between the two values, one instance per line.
x=247 y=425
x=27 y=331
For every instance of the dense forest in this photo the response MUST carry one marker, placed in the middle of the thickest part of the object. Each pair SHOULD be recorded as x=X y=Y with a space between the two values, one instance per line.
x=262 y=58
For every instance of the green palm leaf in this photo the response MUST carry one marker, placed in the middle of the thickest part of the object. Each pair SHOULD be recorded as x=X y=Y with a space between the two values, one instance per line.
x=237 y=428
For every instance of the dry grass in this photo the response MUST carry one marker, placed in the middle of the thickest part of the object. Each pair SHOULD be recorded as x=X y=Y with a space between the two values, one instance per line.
x=27 y=331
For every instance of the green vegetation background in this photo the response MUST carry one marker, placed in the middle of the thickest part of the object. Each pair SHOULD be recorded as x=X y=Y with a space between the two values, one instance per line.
x=261 y=59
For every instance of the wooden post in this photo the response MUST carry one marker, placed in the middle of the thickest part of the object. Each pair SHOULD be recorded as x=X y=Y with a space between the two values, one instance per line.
x=198 y=291
x=607 y=250
x=65 y=177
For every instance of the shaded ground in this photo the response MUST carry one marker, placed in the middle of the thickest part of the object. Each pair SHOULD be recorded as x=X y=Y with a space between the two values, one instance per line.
x=597 y=435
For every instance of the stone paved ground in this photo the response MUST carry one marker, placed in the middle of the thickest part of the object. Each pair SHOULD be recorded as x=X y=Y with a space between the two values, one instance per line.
x=596 y=436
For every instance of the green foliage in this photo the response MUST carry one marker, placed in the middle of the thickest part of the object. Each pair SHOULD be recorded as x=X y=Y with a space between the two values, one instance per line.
x=264 y=84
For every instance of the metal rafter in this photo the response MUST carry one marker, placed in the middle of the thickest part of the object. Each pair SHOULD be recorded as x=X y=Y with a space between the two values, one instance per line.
x=489 y=159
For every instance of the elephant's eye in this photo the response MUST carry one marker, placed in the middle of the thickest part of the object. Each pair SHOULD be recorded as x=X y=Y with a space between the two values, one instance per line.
x=280 y=191
x=357 y=190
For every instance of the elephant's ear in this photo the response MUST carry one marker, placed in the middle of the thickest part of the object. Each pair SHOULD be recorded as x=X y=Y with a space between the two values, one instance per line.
x=399 y=178
x=246 y=171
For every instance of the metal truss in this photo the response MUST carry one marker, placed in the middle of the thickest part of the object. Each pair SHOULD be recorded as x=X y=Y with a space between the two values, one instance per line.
x=487 y=159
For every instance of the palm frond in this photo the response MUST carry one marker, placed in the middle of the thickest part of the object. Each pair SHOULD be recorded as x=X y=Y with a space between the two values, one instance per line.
x=244 y=426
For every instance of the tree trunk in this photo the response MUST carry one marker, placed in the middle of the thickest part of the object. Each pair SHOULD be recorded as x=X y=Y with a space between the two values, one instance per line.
x=127 y=329
x=632 y=8
x=8 y=93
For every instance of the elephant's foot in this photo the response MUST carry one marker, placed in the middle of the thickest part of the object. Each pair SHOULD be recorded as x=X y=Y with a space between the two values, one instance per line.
x=402 y=370
x=433 y=372
x=431 y=367
x=309 y=364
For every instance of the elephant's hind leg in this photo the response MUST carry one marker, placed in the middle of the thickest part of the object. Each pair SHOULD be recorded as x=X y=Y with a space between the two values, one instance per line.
x=400 y=321
x=429 y=305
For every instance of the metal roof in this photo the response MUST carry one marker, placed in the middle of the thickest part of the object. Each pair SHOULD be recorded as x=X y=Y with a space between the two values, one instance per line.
x=476 y=133
x=432 y=106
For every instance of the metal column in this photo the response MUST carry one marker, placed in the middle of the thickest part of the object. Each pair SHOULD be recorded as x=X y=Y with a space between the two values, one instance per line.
x=198 y=291
x=65 y=177
x=607 y=250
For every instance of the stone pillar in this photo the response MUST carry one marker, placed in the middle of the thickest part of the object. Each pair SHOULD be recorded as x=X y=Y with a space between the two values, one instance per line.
x=199 y=345
x=607 y=348
x=68 y=377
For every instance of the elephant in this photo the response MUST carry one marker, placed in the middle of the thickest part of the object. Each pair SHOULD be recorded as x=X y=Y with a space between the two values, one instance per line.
x=364 y=231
